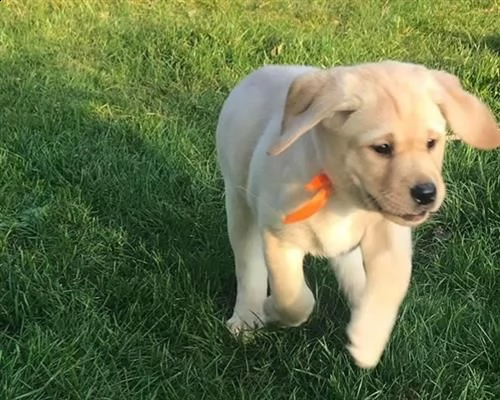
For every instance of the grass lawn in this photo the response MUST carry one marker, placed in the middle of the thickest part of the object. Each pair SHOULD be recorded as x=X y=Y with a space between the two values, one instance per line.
x=116 y=275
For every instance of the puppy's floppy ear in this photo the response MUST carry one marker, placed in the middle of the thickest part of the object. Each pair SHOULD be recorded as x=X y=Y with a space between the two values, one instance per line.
x=311 y=98
x=467 y=116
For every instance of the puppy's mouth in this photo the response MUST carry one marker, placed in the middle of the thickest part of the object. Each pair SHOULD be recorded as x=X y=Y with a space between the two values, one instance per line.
x=402 y=219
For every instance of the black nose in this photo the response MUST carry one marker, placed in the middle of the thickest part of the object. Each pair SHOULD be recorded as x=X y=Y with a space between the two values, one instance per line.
x=424 y=193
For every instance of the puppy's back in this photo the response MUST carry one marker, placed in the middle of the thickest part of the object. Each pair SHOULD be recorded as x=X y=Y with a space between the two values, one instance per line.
x=256 y=100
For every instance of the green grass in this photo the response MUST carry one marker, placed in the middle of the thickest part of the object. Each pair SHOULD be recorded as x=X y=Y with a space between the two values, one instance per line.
x=116 y=274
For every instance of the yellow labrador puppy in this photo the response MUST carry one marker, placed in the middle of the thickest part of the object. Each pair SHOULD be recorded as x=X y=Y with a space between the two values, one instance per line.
x=373 y=136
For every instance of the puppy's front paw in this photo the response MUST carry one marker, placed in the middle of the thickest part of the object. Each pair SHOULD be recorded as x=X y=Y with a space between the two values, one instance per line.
x=238 y=323
x=368 y=336
x=291 y=314
x=366 y=357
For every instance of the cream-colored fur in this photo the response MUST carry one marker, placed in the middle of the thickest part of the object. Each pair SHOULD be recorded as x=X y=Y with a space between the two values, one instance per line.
x=377 y=130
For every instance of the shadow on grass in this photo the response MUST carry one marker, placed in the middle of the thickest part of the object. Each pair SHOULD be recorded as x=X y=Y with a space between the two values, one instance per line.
x=492 y=42
x=102 y=182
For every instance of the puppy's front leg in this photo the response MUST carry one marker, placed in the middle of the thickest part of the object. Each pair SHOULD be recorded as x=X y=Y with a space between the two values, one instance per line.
x=387 y=253
x=291 y=301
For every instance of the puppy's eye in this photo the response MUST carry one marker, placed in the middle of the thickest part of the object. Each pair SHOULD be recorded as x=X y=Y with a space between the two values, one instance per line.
x=384 y=149
x=431 y=143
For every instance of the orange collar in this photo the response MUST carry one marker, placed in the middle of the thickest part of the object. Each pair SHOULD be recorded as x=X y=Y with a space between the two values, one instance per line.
x=323 y=186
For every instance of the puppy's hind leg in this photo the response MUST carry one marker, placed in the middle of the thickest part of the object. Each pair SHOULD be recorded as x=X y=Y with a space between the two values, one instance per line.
x=251 y=272
x=351 y=276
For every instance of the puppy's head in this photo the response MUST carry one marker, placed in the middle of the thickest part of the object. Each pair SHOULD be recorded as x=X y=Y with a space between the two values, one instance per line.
x=380 y=129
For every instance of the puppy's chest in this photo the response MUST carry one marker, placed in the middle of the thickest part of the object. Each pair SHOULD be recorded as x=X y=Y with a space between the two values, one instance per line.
x=330 y=235
x=335 y=235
